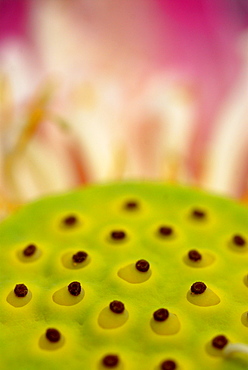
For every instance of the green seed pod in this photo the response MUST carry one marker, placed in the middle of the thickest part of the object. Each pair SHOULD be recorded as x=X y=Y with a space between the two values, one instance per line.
x=125 y=276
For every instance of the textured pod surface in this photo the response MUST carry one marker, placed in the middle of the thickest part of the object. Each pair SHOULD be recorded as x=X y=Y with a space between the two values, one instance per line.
x=166 y=223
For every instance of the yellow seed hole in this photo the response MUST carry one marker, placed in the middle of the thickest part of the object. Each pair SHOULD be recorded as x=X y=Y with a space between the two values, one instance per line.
x=207 y=298
x=29 y=258
x=69 y=263
x=212 y=351
x=64 y=298
x=244 y=318
x=130 y=274
x=110 y=320
x=119 y=366
x=45 y=344
x=170 y=326
x=18 y=301
x=206 y=260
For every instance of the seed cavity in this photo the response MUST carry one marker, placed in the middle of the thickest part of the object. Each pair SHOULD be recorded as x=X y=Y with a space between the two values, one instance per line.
x=113 y=316
x=29 y=250
x=244 y=318
x=219 y=342
x=118 y=235
x=74 y=288
x=117 y=307
x=142 y=265
x=28 y=253
x=20 y=296
x=161 y=314
x=200 y=295
x=198 y=288
x=70 y=220
x=21 y=290
x=168 y=365
x=53 y=335
x=165 y=230
x=165 y=323
x=131 y=205
x=198 y=214
x=69 y=295
x=239 y=241
x=79 y=257
x=195 y=259
x=110 y=361
x=135 y=273
x=194 y=255
x=51 y=340
x=75 y=261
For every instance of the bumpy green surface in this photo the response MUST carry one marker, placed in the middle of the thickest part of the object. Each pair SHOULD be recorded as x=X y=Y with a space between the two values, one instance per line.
x=100 y=210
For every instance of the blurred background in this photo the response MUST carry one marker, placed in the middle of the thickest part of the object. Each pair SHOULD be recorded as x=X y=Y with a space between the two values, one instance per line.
x=105 y=90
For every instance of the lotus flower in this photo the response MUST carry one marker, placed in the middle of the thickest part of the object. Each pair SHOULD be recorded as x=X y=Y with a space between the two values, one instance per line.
x=97 y=91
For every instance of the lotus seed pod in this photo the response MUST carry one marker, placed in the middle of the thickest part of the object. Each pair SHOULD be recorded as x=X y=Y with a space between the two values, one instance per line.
x=125 y=276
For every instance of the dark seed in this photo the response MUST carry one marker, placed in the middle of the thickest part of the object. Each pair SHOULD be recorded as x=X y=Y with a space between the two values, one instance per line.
x=70 y=220
x=220 y=341
x=165 y=230
x=239 y=240
x=198 y=288
x=198 y=213
x=79 y=257
x=29 y=250
x=142 y=265
x=53 y=335
x=110 y=361
x=74 y=288
x=131 y=205
x=194 y=255
x=117 y=307
x=21 y=290
x=168 y=365
x=161 y=315
x=118 y=235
